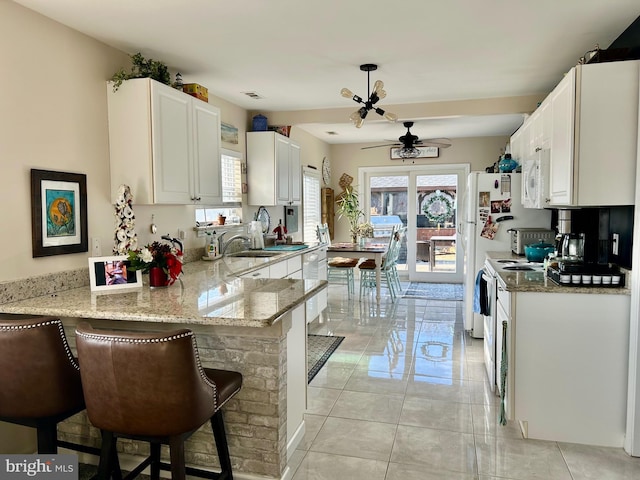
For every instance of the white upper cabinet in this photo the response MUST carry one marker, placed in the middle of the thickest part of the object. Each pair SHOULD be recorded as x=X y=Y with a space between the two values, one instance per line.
x=589 y=123
x=273 y=169
x=164 y=144
x=595 y=135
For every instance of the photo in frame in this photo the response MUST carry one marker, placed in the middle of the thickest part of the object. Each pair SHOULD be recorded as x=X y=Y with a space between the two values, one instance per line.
x=58 y=213
x=112 y=273
x=424 y=152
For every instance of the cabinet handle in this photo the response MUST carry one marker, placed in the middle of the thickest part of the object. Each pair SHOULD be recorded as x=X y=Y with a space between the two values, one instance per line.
x=538 y=149
x=196 y=199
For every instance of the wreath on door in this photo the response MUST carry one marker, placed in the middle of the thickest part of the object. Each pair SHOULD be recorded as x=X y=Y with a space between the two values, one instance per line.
x=438 y=206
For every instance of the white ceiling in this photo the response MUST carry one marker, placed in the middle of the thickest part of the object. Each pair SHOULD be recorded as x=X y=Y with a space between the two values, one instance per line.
x=298 y=54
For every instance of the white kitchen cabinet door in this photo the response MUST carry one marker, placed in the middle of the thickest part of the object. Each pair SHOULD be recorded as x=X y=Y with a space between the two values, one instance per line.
x=172 y=142
x=283 y=164
x=163 y=143
x=295 y=174
x=207 y=188
x=273 y=169
x=561 y=160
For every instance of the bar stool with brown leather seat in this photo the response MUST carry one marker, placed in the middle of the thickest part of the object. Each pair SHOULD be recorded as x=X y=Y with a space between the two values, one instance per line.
x=152 y=387
x=39 y=378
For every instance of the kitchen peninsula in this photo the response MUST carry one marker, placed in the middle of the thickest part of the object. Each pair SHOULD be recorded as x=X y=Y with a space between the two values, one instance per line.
x=567 y=355
x=253 y=326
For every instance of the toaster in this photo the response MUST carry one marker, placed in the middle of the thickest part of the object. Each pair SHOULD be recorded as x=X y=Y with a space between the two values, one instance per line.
x=526 y=236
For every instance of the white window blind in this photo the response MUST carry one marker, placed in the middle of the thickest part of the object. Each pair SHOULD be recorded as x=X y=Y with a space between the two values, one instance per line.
x=311 y=204
x=231 y=173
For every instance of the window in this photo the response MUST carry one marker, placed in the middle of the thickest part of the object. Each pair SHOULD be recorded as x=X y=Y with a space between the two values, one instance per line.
x=231 y=175
x=231 y=180
x=310 y=204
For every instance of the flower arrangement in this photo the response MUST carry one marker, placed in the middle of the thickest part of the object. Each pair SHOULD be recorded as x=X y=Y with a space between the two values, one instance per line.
x=158 y=255
x=365 y=230
x=125 y=235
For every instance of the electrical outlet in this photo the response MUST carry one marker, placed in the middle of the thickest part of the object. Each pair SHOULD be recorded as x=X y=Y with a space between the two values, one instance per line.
x=96 y=248
x=615 y=243
x=181 y=234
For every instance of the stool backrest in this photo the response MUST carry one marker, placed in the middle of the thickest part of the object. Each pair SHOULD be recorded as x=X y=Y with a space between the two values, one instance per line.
x=38 y=374
x=139 y=383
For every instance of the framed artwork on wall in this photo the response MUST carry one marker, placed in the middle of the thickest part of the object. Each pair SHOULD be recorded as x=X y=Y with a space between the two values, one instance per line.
x=228 y=133
x=58 y=213
x=423 y=152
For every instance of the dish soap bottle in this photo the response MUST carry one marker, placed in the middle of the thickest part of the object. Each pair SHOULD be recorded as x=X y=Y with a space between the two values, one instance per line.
x=212 y=246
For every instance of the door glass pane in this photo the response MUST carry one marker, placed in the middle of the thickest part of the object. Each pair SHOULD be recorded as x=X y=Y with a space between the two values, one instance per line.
x=436 y=197
x=388 y=207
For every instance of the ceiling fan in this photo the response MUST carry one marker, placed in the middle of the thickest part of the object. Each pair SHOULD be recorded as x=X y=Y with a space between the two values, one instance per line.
x=410 y=143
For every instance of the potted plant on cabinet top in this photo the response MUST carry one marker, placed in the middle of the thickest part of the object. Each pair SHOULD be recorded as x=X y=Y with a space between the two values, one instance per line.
x=142 y=68
x=349 y=207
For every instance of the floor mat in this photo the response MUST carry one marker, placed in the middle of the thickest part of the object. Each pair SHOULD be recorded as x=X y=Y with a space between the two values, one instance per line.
x=319 y=349
x=434 y=291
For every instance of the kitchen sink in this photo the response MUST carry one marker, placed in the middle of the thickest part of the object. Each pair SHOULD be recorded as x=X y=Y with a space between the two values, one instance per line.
x=253 y=254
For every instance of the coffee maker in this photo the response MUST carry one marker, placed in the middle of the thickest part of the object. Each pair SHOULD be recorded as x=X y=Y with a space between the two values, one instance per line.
x=569 y=245
x=572 y=247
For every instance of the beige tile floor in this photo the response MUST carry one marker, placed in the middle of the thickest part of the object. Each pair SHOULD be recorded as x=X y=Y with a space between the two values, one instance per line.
x=405 y=397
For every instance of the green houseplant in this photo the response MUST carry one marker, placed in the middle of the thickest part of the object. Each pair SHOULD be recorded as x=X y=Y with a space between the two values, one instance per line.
x=142 y=68
x=349 y=207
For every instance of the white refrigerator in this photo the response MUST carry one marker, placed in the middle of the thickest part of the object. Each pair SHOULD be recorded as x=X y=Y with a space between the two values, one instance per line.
x=492 y=206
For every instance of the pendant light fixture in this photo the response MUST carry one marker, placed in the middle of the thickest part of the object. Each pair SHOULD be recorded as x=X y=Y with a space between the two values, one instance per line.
x=373 y=96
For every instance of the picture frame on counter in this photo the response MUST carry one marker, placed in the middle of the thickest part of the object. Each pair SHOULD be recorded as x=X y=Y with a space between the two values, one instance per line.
x=425 y=152
x=58 y=213
x=112 y=273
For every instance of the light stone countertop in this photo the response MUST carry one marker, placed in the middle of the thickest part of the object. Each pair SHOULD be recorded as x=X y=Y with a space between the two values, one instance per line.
x=537 y=281
x=208 y=293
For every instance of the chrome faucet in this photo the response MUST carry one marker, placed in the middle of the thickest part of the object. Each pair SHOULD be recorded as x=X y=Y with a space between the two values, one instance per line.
x=225 y=245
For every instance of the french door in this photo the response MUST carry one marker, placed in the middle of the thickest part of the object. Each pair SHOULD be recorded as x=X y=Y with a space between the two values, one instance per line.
x=425 y=199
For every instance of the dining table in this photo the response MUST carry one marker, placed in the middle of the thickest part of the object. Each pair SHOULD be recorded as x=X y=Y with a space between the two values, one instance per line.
x=370 y=250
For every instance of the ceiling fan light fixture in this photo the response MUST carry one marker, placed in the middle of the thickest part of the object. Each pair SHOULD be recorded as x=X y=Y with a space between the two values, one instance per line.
x=373 y=97
x=408 y=152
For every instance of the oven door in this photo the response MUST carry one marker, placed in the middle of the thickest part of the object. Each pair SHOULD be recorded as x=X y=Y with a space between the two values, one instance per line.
x=490 y=327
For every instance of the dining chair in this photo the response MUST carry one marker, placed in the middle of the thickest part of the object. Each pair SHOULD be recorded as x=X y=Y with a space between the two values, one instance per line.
x=339 y=269
x=388 y=270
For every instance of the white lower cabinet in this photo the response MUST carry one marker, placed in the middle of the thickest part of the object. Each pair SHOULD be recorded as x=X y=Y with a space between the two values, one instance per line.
x=568 y=359
x=296 y=379
x=264 y=272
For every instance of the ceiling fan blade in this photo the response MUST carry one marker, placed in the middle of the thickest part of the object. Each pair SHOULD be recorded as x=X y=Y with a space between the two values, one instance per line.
x=385 y=145
x=435 y=142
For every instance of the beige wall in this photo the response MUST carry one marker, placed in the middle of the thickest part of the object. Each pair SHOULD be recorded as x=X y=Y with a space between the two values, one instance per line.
x=53 y=116
x=479 y=153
